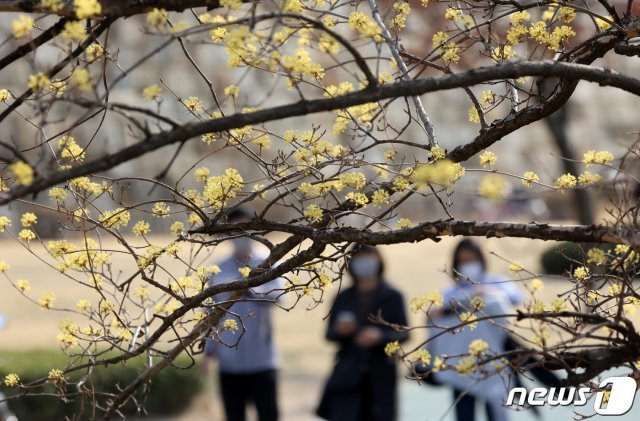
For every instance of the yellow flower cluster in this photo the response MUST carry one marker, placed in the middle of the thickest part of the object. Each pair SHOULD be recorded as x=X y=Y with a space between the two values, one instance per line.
x=391 y=348
x=442 y=172
x=22 y=172
x=87 y=8
x=74 y=31
x=566 y=181
x=141 y=228
x=529 y=177
x=313 y=213
x=493 y=187
x=399 y=20
x=157 y=18
x=581 y=273
x=488 y=158
x=69 y=149
x=230 y=325
x=600 y=157
x=151 y=93
x=365 y=26
x=116 y=218
x=46 y=300
x=11 y=380
x=469 y=319
x=22 y=26
x=219 y=189
x=478 y=346
x=93 y=52
x=426 y=301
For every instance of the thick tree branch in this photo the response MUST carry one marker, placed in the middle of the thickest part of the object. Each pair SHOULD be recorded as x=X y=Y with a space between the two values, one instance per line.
x=574 y=72
x=433 y=230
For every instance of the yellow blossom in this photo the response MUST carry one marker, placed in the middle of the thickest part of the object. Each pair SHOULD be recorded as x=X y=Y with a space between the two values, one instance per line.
x=603 y=25
x=201 y=174
x=423 y=356
x=391 y=348
x=38 y=82
x=488 y=158
x=177 y=227
x=313 y=213
x=28 y=219
x=478 y=346
x=466 y=365
x=599 y=157
x=141 y=228
x=160 y=210
x=23 y=285
x=151 y=93
x=515 y=267
x=230 y=325
x=566 y=181
x=94 y=52
x=380 y=197
x=22 y=26
x=11 y=380
x=558 y=304
x=87 y=8
x=536 y=285
x=245 y=271
x=529 y=177
x=437 y=152
x=493 y=187
x=502 y=53
x=232 y=91
x=157 y=18
x=469 y=319
x=474 y=116
x=403 y=223
x=4 y=95
x=364 y=25
x=4 y=223
x=517 y=18
x=193 y=104
x=74 y=31
x=46 y=300
x=83 y=305
x=452 y=13
x=26 y=235
x=55 y=375
x=581 y=273
x=596 y=256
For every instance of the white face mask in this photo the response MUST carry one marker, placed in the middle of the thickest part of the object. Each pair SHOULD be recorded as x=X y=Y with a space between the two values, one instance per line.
x=365 y=267
x=472 y=271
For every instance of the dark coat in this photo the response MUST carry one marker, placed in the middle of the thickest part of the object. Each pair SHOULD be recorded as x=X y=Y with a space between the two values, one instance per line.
x=363 y=383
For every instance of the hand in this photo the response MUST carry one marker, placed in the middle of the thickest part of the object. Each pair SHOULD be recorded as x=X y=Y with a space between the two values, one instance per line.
x=369 y=337
x=345 y=328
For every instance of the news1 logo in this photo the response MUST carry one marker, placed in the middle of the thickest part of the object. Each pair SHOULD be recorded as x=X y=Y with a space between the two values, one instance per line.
x=616 y=401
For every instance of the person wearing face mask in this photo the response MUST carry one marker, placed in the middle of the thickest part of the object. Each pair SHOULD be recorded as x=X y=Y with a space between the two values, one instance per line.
x=247 y=363
x=363 y=383
x=498 y=297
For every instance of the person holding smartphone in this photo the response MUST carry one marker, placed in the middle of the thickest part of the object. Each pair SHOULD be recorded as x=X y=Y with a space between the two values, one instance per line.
x=363 y=383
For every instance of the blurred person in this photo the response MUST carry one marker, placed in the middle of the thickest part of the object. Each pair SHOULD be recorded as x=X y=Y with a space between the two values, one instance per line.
x=498 y=296
x=247 y=362
x=363 y=384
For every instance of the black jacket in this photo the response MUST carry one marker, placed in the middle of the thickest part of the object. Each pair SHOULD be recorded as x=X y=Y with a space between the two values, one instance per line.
x=364 y=381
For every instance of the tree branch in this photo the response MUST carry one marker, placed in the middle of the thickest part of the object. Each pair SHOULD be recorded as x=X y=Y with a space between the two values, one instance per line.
x=574 y=72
